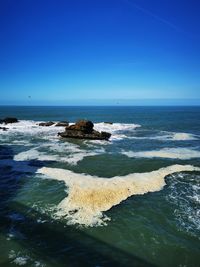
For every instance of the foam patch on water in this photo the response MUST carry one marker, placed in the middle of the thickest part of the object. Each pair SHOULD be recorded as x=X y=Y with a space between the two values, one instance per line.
x=177 y=137
x=71 y=158
x=168 y=136
x=93 y=143
x=171 y=153
x=61 y=147
x=30 y=155
x=21 y=142
x=17 y=258
x=22 y=259
x=89 y=196
x=183 y=136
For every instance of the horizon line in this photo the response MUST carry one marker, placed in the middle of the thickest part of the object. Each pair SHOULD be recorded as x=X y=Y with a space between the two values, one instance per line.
x=105 y=105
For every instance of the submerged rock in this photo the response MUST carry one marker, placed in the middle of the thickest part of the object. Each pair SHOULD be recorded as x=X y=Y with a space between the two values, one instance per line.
x=62 y=124
x=9 y=120
x=49 y=123
x=3 y=128
x=83 y=129
x=108 y=122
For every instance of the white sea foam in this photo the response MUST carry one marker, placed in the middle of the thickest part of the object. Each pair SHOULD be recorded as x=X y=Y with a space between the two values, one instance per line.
x=95 y=143
x=61 y=147
x=88 y=196
x=116 y=129
x=30 y=127
x=73 y=157
x=196 y=196
x=21 y=142
x=168 y=136
x=28 y=155
x=17 y=258
x=39 y=264
x=20 y=259
x=102 y=126
x=183 y=136
x=11 y=254
x=184 y=194
x=171 y=153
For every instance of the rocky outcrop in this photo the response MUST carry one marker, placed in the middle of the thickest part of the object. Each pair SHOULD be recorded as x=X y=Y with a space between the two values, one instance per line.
x=49 y=123
x=62 y=124
x=82 y=125
x=3 y=128
x=108 y=122
x=83 y=129
x=9 y=120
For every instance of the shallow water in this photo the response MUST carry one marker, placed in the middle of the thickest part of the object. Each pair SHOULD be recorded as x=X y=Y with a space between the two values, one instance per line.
x=127 y=202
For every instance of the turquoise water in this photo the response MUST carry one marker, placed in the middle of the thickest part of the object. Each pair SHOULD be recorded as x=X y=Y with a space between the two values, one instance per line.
x=158 y=227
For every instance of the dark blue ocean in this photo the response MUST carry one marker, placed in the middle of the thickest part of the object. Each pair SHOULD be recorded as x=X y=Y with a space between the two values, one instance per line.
x=131 y=201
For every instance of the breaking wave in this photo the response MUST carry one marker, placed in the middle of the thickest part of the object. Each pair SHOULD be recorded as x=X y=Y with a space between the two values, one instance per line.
x=119 y=131
x=29 y=128
x=116 y=129
x=89 y=196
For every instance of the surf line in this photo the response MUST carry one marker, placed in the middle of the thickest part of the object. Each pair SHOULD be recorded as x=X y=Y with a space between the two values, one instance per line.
x=89 y=196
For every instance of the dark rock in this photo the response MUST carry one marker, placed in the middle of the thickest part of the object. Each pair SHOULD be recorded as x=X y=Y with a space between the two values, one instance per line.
x=105 y=135
x=62 y=124
x=3 y=128
x=107 y=122
x=83 y=129
x=82 y=125
x=49 y=123
x=81 y=135
x=9 y=120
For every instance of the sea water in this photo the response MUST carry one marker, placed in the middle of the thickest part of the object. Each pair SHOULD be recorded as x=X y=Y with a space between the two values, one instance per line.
x=131 y=201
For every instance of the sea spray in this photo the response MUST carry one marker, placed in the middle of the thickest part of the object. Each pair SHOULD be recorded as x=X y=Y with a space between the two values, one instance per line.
x=89 y=196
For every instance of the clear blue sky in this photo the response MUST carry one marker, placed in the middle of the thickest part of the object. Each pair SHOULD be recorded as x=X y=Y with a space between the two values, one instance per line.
x=99 y=52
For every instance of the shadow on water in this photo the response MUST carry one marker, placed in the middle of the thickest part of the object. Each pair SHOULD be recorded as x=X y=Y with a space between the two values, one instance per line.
x=52 y=241
x=60 y=245
x=11 y=173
